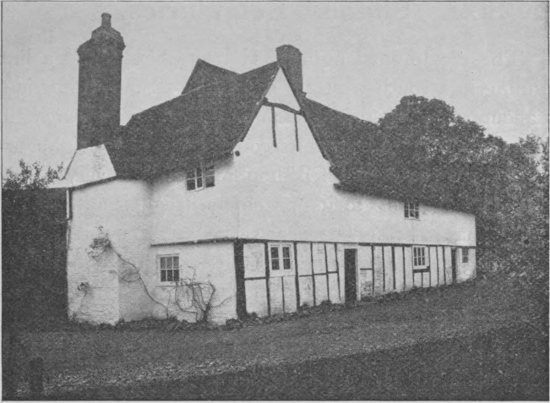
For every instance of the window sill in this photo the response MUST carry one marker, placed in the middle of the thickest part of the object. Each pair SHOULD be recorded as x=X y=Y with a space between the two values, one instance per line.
x=285 y=273
x=423 y=269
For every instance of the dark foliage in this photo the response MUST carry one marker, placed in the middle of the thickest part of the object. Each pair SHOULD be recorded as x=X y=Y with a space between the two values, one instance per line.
x=33 y=254
x=424 y=152
x=31 y=177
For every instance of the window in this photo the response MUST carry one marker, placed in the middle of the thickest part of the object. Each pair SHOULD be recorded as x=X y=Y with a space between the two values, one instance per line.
x=411 y=210
x=419 y=257
x=200 y=177
x=465 y=255
x=169 y=268
x=280 y=259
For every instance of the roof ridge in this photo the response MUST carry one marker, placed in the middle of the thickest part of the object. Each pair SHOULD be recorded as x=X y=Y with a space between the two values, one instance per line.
x=202 y=87
x=340 y=112
x=202 y=61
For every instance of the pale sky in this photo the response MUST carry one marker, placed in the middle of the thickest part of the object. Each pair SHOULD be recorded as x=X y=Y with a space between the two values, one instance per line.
x=488 y=60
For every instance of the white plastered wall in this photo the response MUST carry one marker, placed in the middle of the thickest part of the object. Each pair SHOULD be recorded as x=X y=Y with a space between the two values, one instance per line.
x=180 y=215
x=205 y=263
x=120 y=209
x=287 y=194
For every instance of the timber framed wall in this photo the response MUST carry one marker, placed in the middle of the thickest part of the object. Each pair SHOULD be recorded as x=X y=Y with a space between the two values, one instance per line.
x=317 y=272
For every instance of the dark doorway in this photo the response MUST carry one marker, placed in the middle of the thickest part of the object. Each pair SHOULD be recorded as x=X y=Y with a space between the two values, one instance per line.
x=350 y=266
x=453 y=264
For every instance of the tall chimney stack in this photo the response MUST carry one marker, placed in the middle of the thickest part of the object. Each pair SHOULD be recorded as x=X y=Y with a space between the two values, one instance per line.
x=290 y=59
x=99 y=83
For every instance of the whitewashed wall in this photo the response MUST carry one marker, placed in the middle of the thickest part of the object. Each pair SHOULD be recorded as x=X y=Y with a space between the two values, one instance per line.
x=466 y=271
x=289 y=195
x=121 y=208
x=208 y=262
x=180 y=215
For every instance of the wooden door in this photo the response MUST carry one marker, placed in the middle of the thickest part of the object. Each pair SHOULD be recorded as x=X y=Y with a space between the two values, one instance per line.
x=350 y=274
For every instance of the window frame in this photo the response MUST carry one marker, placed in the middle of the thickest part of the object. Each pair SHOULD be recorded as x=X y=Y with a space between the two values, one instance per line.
x=424 y=255
x=207 y=177
x=412 y=210
x=281 y=259
x=465 y=254
x=173 y=269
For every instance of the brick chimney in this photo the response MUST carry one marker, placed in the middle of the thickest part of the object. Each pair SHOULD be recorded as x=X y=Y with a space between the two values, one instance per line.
x=99 y=82
x=290 y=59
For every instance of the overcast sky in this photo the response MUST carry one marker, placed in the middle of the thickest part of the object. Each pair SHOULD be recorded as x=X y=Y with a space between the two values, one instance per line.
x=488 y=60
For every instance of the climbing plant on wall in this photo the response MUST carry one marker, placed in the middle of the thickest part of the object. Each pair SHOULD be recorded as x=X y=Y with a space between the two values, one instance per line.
x=188 y=295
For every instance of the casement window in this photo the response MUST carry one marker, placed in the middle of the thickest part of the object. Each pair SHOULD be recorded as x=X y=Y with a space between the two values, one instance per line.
x=281 y=259
x=169 y=268
x=419 y=257
x=465 y=255
x=412 y=211
x=200 y=177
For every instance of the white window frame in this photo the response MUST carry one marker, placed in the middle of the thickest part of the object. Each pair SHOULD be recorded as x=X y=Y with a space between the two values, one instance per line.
x=425 y=257
x=204 y=173
x=173 y=269
x=412 y=210
x=465 y=254
x=281 y=259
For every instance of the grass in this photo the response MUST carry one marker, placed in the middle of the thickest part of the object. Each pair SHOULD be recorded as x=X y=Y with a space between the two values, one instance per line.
x=504 y=364
x=455 y=342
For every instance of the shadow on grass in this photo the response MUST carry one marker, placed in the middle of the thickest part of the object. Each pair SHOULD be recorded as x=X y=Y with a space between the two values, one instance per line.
x=507 y=364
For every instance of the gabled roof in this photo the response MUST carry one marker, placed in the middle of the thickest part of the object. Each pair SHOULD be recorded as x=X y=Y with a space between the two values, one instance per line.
x=204 y=74
x=199 y=125
x=342 y=138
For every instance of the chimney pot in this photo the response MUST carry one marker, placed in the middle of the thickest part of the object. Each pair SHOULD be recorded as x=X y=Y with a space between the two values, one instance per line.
x=106 y=20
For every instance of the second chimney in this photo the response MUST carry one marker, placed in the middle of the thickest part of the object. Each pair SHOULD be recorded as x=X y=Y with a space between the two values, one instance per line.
x=290 y=59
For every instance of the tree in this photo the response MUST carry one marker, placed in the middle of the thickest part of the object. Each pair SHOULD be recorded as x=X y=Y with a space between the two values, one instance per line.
x=32 y=238
x=442 y=159
x=31 y=177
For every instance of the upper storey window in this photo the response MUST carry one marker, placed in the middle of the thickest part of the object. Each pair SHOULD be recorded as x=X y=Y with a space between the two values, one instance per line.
x=201 y=177
x=412 y=211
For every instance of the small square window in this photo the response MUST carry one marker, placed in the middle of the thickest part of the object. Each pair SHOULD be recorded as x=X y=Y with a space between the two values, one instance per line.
x=209 y=176
x=465 y=255
x=412 y=210
x=200 y=177
x=169 y=268
x=280 y=259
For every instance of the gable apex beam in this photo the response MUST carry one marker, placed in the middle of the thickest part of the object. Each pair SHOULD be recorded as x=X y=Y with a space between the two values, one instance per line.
x=281 y=106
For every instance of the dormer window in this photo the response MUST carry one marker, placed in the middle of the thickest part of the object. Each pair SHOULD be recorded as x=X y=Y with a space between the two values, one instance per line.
x=412 y=211
x=200 y=177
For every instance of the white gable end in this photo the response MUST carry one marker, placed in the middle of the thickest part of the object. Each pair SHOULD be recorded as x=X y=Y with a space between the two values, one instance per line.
x=89 y=165
x=281 y=93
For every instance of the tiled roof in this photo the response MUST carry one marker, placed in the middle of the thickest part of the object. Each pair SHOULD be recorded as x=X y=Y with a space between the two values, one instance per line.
x=363 y=158
x=342 y=138
x=204 y=74
x=201 y=124
x=215 y=112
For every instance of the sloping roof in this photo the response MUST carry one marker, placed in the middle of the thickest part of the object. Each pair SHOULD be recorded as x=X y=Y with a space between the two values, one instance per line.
x=342 y=138
x=363 y=157
x=201 y=124
x=204 y=74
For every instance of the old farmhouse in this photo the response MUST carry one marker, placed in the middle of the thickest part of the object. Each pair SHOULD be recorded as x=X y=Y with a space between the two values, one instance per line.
x=235 y=183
